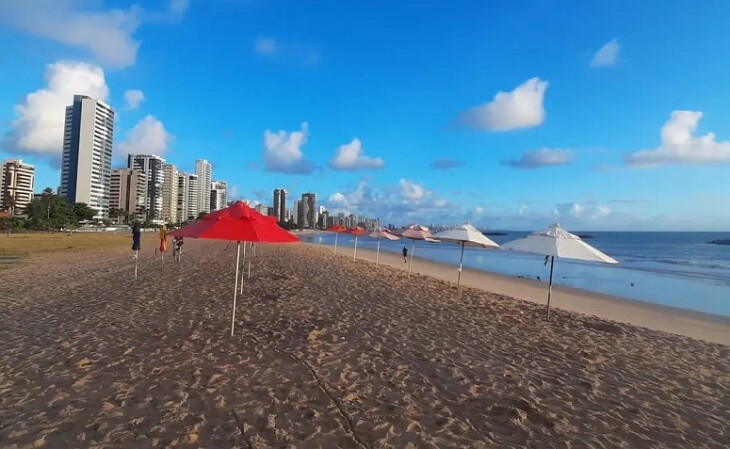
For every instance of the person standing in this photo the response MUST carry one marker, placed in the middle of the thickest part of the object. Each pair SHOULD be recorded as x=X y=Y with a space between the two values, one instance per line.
x=405 y=255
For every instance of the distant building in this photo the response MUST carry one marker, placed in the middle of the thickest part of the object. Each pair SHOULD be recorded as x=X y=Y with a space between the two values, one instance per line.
x=218 y=195
x=86 y=167
x=295 y=212
x=17 y=181
x=204 y=172
x=128 y=191
x=280 y=205
x=153 y=168
x=169 y=194
x=307 y=213
x=187 y=196
x=262 y=209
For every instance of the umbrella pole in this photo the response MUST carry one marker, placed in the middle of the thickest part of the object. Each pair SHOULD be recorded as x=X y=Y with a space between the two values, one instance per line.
x=243 y=265
x=235 y=288
x=410 y=264
x=550 y=285
x=461 y=265
x=335 y=251
x=136 y=260
x=377 y=254
x=249 y=259
x=354 y=253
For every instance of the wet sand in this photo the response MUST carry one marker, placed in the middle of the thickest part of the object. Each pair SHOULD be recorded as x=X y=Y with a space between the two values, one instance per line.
x=330 y=353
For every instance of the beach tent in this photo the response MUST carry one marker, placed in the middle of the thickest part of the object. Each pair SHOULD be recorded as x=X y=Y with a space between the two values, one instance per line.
x=356 y=231
x=382 y=234
x=557 y=242
x=415 y=232
x=336 y=229
x=465 y=235
x=237 y=223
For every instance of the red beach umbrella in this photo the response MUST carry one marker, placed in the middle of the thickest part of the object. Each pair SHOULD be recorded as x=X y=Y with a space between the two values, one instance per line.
x=238 y=223
x=356 y=231
x=336 y=229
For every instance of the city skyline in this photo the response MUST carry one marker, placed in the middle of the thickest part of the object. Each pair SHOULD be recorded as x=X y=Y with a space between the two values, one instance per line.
x=495 y=116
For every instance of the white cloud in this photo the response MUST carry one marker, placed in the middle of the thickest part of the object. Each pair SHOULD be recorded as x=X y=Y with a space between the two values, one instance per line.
x=607 y=55
x=679 y=145
x=283 y=153
x=581 y=212
x=600 y=212
x=350 y=157
x=133 y=98
x=411 y=191
x=38 y=127
x=179 y=7
x=521 y=108
x=265 y=45
x=543 y=157
x=478 y=210
x=147 y=137
x=522 y=210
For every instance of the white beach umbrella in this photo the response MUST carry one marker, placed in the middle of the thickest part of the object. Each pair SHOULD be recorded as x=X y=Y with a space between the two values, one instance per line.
x=466 y=235
x=415 y=232
x=557 y=242
x=381 y=234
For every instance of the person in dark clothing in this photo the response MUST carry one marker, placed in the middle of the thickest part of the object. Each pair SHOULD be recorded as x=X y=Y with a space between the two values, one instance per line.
x=177 y=244
x=405 y=254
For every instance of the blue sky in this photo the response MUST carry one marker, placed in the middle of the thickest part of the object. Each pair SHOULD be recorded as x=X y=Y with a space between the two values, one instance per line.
x=602 y=123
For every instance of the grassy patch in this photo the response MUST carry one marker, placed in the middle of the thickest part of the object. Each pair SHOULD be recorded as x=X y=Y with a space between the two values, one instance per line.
x=26 y=244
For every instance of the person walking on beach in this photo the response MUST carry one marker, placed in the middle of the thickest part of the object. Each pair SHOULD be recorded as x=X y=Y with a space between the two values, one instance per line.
x=405 y=255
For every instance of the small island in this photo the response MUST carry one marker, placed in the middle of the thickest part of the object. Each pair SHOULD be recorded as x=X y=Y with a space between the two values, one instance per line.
x=585 y=236
x=720 y=242
x=494 y=233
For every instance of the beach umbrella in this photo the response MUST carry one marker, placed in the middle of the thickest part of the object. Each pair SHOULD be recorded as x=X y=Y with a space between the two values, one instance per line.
x=465 y=235
x=557 y=242
x=237 y=223
x=336 y=229
x=356 y=231
x=415 y=232
x=382 y=234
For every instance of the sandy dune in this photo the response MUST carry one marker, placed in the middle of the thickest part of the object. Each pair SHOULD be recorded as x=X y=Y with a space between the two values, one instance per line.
x=330 y=353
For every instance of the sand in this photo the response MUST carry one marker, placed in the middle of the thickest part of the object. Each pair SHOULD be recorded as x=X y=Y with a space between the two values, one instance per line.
x=330 y=353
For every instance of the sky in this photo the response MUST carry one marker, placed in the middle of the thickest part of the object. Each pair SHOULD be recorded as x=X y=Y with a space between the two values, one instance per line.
x=601 y=115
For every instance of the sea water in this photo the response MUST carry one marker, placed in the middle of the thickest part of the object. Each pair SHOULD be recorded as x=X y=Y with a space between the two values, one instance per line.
x=677 y=269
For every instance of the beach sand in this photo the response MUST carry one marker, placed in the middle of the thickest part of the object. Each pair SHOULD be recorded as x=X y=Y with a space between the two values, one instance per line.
x=330 y=353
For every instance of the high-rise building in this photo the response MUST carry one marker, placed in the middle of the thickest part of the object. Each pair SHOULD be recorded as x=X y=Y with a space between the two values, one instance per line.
x=193 y=194
x=204 y=172
x=262 y=209
x=153 y=168
x=307 y=213
x=16 y=185
x=280 y=205
x=218 y=195
x=169 y=194
x=295 y=212
x=183 y=189
x=128 y=191
x=86 y=167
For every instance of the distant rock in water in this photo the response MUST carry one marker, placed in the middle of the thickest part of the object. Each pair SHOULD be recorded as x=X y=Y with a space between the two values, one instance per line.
x=494 y=233
x=585 y=236
x=720 y=242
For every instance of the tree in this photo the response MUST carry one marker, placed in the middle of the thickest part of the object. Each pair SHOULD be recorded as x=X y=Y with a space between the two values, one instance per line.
x=83 y=212
x=201 y=215
x=50 y=212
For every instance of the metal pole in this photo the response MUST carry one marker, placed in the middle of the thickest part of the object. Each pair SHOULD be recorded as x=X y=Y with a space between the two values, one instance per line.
x=249 y=261
x=235 y=289
x=550 y=285
x=354 y=253
x=243 y=266
x=336 y=235
x=410 y=264
x=461 y=265
x=377 y=254
x=136 y=260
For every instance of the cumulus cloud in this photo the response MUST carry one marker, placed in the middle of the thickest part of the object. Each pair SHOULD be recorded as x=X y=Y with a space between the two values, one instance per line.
x=350 y=157
x=148 y=136
x=265 y=45
x=283 y=151
x=606 y=55
x=446 y=164
x=679 y=145
x=521 y=108
x=38 y=126
x=179 y=7
x=580 y=212
x=411 y=191
x=543 y=157
x=133 y=98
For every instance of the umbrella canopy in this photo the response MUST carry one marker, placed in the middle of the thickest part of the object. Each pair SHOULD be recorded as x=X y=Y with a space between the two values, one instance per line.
x=238 y=223
x=415 y=232
x=557 y=242
x=381 y=234
x=466 y=235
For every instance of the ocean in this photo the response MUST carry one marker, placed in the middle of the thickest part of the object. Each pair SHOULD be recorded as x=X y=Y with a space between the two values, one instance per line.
x=677 y=269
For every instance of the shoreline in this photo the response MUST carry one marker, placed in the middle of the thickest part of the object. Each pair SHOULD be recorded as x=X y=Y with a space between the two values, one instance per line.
x=689 y=323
